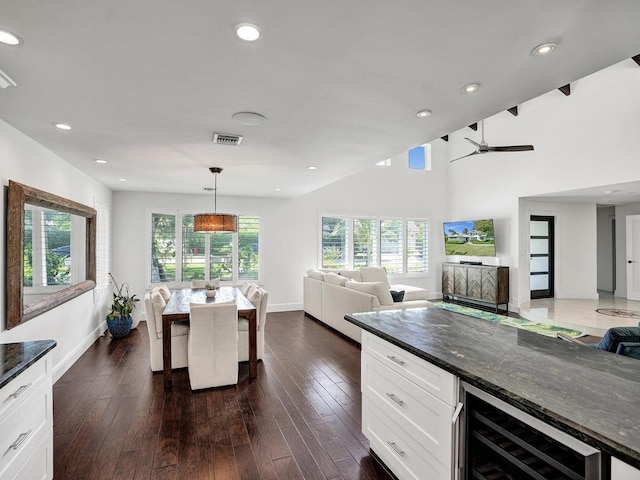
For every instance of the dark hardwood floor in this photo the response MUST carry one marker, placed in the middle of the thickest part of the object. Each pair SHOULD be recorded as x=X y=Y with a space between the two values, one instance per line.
x=300 y=419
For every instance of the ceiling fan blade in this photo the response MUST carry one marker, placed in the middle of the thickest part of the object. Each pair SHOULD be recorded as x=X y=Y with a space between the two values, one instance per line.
x=465 y=156
x=511 y=148
x=471 y=141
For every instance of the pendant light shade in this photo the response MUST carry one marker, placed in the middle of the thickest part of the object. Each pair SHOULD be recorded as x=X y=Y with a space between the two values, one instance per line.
x=215 y=222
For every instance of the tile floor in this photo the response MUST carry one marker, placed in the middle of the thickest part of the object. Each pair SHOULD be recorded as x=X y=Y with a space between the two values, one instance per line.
x=581 y=314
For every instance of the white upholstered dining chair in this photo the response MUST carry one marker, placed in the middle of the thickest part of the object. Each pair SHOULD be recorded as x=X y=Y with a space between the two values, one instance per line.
x=154 y=303
x=213 y=345
x=259 y=297
x=203 y=283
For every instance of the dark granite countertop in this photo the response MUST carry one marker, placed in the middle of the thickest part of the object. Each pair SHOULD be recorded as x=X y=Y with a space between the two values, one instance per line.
x=15 y=358
x=590 y=394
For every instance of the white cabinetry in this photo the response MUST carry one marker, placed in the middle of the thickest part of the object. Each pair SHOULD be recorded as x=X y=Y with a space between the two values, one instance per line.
x=408 y=406
x=623 y=471
x=26 y=423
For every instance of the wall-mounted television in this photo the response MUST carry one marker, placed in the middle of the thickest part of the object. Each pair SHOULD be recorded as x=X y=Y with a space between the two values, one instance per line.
x=471 y=237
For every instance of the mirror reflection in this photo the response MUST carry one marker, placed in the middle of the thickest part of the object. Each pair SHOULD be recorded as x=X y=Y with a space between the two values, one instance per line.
x=51 y=251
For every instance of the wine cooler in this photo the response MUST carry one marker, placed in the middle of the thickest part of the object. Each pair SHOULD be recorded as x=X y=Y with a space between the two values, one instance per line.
x=504 y=443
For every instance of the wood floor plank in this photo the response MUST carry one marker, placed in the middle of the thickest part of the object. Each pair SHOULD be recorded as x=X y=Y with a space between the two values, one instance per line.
x=300 y=419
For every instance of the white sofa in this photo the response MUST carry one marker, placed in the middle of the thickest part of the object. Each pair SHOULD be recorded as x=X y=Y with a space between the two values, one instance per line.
x=331 y=294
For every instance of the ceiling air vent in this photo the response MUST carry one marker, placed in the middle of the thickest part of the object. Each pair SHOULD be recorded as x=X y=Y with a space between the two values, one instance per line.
x=227 y=139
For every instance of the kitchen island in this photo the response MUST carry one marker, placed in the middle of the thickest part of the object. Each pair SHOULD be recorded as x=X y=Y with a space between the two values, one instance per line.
x=590 y=395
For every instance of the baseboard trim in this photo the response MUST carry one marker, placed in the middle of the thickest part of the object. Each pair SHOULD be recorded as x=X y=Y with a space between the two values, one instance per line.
x=284 y=307
x=65 y=364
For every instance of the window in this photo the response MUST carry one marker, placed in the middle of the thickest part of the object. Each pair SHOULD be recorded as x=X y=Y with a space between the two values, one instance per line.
x=248 y=247
x=398 y=245
x=420 y=157
x=417 y=246
x=178 y=257
x=365 y=242
x=334 y=242
x=163 y=248
x=391 y=245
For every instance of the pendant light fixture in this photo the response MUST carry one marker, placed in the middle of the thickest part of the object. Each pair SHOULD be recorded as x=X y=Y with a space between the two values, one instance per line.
x=215 y=222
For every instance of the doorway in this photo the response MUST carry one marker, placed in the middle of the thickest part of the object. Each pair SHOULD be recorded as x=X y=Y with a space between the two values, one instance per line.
x=633 y=257
x=541 y=244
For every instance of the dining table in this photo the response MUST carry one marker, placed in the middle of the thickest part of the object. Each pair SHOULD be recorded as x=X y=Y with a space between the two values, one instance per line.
x=178 y=308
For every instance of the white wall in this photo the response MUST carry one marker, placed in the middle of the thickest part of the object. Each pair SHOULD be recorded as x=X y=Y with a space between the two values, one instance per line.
x=289 y=235
x=77 y=323
x=605 y=248
x=584 y=140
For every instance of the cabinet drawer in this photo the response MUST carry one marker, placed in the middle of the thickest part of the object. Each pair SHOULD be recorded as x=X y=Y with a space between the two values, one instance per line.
x=36 y=464
x=400 y=451
x=22 y=386
x=425 y=417
x=25 y=427
x=441 y=384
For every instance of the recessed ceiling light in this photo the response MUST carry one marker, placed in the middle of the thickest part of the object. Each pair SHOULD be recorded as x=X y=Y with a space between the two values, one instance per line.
x=249 y=118
x=62 y=126
x=122 y=179
x=312 y=167
x=470 y=88
x=276 y=189
x=608 y=192
x=98 y=160
x=248 y=32
x=423 y=113
x=544 y=49
x=9 y=38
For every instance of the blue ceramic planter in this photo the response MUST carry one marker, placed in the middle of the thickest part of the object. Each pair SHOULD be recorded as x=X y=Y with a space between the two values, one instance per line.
x=119 y=326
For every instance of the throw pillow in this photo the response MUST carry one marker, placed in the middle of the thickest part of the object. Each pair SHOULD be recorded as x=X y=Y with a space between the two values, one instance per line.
x=315 y=274
x=374 y=274
x=378 y=289
x=351 y=275
x=335 y=279
x=397 y=296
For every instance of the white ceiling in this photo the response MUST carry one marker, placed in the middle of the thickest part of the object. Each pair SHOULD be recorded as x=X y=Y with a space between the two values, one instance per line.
x=145 y=83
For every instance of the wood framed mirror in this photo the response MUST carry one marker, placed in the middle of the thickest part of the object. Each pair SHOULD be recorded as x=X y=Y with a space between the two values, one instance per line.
x=51 y=251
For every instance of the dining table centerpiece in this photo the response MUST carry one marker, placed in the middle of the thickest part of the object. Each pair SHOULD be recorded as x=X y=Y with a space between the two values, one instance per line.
x=210 y=290
x=119 y=319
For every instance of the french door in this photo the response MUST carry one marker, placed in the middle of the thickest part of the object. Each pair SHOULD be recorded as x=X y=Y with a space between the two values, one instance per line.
x=541 y=256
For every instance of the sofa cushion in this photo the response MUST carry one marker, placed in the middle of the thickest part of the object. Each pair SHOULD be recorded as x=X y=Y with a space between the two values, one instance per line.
x=374 y=274
x=411 y=292
x=351 y=274
x=315 y=274
x=335 y=279
x=397 y=296
x=379 y=289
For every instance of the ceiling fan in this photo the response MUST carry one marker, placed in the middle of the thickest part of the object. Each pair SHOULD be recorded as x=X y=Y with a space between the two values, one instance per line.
x=484 y=147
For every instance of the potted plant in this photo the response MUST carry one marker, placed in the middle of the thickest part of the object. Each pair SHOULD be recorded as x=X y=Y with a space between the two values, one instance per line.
x=210 y=290
x=119 y=318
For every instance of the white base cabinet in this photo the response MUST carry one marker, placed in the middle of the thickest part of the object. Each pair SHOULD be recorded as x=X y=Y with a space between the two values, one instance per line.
x=26 y=423
x=408 y=406
x=623 y=471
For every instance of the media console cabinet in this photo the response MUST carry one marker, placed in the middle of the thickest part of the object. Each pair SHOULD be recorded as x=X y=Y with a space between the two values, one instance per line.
x=451 y=397
x=483 y=284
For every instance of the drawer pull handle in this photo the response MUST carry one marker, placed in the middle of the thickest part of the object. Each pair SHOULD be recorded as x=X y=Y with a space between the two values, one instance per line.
x=20 y=391
x=396 y=448
x=395 y=399
x=15 y=445
x=394 y=359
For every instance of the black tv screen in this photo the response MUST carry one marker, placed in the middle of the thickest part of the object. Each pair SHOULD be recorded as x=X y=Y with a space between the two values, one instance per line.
x=471 y=237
